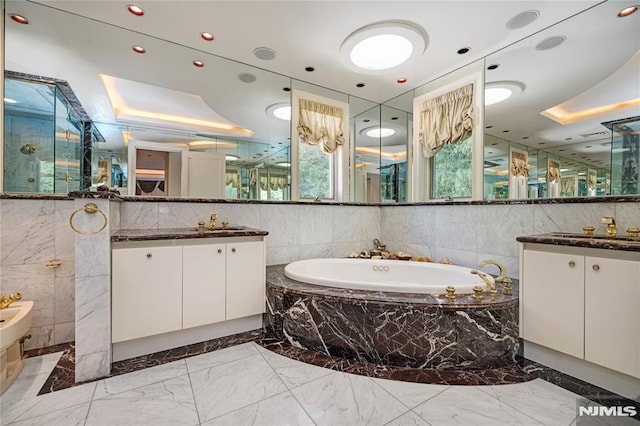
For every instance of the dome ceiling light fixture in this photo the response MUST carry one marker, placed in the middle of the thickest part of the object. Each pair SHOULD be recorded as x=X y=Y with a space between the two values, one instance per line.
x=378 y=132
x=383 y=46
x=280 y=110
x=499 y=91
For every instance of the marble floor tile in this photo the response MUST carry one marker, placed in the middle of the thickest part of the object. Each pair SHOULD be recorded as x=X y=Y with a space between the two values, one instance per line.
x=31 y=406
x=346 y=399
x=281 y=410
x=73 y=416
x=559 y=404
x=126 y=382
x=467 y=405
x=165 y=403
x=227 y=387
x=221 y=356
x=408 y=419
x=410 y=394
x=39 y=365
x=294 y=373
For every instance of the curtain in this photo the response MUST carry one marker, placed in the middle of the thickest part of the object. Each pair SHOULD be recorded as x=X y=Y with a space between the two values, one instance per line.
x=232 y=179
x=264 y=182
x=278 y=182
x=446 y=119
x=320 y=124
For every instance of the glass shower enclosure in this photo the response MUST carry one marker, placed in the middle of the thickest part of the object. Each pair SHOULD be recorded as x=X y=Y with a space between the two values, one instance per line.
x=42 y=139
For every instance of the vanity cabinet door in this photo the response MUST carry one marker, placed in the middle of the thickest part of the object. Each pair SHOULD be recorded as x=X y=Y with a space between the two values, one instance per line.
x=146 y=292
x=203 y=284
x=553 y=301
x=245 y=279
x=612 y=314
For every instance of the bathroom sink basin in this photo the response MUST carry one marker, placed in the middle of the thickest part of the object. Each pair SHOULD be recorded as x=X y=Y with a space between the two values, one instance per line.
x=15 y=322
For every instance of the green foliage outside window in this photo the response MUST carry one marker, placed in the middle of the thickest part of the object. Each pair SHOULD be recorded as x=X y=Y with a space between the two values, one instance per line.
x=315 y=172
x=452 y=170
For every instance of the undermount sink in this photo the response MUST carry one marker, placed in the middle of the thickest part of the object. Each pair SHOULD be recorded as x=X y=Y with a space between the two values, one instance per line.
x=15 y=322
x=593 y=237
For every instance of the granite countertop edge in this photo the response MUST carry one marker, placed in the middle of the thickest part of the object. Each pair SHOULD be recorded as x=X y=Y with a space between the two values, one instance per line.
x=595 y=243
x=125 y=235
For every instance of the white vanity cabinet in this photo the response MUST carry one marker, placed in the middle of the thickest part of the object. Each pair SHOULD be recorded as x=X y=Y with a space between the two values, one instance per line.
x=612 y=314
x=146 y=292
x=583 y=302
x=164 y=286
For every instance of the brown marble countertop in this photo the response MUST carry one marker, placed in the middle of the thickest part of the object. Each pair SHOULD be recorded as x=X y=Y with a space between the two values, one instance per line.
x=277 y=278
x=124 y=235
x=579 y=240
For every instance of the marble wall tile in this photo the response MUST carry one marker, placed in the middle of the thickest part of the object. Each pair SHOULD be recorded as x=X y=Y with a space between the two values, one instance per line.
x=456 y=227
x=344 y=249
x=369 y=223
x=498 y=227
x=63 y=234
x=27 y=235
x=627 y=216
x=313 y=251
x=345 y=224
x=281 y=221
x=184 y=215
x=35 y=282
x=281 y=255
x=41 y=337
x=315 y=223
x=115 y=215
x=64 y=290
x=458 y=257
x=139 y=215
x=93 y=314
x=93 y=365
x=570 y=217
x=238 y=214
x=64 y=332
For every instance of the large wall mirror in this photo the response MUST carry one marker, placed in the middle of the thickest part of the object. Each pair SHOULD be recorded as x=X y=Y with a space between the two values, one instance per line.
x=566 y=82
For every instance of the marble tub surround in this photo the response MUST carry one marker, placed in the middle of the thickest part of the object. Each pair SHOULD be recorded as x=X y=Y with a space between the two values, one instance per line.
x=577 y=240
x=125 y=235
x=406 y=330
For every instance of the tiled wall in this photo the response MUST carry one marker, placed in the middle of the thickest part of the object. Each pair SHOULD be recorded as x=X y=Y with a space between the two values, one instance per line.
x=468 y=234
x=32 y=232
x=35 y=231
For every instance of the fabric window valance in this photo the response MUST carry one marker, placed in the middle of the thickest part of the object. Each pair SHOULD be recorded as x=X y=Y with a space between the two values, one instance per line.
x=320 y=124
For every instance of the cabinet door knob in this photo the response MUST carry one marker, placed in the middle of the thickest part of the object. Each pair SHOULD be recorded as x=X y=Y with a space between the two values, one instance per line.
x=149 y=255
x=219 y=251
x=233 y=250
x=596 y=267
x=572 y=263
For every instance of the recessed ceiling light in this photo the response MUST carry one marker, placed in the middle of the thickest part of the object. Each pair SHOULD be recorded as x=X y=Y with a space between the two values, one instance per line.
x=246 y=77
x=281 y=110
x=286 y=89
x=10 y=101
x=401 y=80
x=627 y=11
x=506 y=131
x=560 y=150
x=198 y=63
x=206 y=36
x=525 y=137
x=380 y=132
x=19 y=19
x=551 y=42
x=567 y=139
x=394 y=118
x=136 y=10
x=366 y=120
x=500 y=91
x=382 y=46
x=463 y=50
x=522 y=19
x=309 y=69
x=540 y=143
x=360 y=85
x=231 y=157
x=138 y=49
x=264 y=53
x=489 y=127
x=493 y=67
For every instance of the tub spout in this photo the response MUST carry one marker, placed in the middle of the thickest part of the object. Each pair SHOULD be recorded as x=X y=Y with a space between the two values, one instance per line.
x=488 y=282
x=503 y=271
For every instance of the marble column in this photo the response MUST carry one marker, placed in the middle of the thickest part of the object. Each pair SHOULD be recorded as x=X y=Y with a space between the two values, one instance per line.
x=93 y=293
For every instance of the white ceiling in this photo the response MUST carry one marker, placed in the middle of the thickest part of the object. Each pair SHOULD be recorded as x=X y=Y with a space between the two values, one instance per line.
x=68 y=46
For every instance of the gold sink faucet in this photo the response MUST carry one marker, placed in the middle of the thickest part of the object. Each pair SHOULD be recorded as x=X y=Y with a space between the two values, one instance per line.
x=5 y=301
x=611 y=225
x=212 y=222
